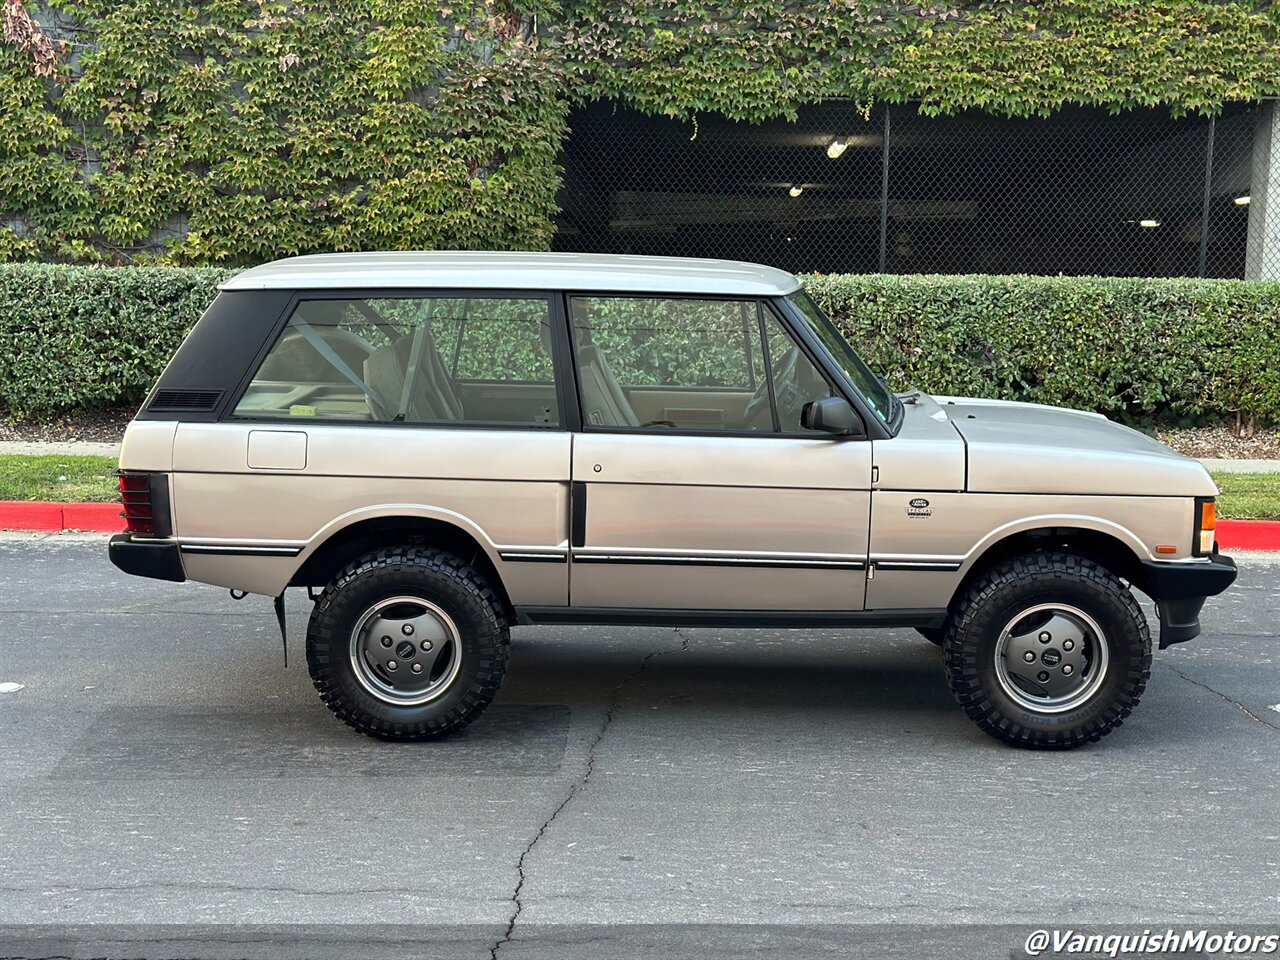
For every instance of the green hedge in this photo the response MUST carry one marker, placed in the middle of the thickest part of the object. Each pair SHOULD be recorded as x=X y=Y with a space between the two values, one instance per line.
x=92 y=337
x=1162 y=351
x=1146 y=350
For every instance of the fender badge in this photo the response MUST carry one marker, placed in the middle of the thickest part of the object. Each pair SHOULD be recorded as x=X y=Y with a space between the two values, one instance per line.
x=919 y=507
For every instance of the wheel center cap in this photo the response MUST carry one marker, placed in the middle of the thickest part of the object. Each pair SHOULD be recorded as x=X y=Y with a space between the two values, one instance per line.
x=1051 y=658
x=405 y=650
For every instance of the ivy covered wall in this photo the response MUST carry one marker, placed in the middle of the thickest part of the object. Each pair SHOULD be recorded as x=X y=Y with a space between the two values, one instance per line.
x=758 y=59
x=234 y=131
x=230 y=131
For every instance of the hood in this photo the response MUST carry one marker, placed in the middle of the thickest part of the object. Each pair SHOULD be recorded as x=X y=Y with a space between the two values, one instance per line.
x=1029 y=448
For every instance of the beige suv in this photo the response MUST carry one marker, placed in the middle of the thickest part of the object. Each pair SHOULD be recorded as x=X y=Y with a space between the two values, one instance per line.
x=451 y=444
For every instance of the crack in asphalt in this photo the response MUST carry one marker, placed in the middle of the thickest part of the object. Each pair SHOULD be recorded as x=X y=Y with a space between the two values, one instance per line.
x=575 y=788
x=1235 y=703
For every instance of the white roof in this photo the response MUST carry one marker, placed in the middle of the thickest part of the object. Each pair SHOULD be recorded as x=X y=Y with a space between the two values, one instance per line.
x=516 y=271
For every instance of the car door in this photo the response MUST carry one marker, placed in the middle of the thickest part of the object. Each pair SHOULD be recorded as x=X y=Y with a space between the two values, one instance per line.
x=694 y=485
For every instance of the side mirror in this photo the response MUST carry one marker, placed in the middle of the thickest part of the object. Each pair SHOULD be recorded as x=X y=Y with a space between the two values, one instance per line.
x=831 y=415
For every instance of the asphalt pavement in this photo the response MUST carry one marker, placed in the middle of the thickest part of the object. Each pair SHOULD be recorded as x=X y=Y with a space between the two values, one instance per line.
x=159 y=765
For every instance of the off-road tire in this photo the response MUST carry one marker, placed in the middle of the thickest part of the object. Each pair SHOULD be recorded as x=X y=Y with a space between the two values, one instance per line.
x=434 y=575
x=973 y=632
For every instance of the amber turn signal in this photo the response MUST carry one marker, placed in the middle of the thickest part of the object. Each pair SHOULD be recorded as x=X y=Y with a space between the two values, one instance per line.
x=1206 y=521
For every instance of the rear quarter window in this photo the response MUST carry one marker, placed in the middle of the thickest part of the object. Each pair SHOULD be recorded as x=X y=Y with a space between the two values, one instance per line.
x=419 y=359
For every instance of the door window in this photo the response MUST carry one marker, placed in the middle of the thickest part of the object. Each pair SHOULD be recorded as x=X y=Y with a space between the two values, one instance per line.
x=411 y=359
x=689 y=364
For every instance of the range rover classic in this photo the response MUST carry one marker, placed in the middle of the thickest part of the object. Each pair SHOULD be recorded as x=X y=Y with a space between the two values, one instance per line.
x=441 y=446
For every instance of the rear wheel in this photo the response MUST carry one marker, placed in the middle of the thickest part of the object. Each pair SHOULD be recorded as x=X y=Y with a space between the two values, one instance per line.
x=1048 y=651
x=407 y=644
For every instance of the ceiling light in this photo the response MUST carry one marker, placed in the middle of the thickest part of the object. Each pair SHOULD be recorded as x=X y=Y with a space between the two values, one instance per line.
x=1148 y=223
x=837 y=147
x=1242 y=201
x=796 y=190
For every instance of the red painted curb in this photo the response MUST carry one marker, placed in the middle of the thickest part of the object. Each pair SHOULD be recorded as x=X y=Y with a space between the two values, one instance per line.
x=105 y=518
x=21 y=515
x=1248 y=534
x=44 y=517
x=98 y=517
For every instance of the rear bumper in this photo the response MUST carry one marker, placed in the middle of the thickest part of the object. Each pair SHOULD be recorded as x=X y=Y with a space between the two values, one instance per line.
x=1180 y=590
x=157 y=559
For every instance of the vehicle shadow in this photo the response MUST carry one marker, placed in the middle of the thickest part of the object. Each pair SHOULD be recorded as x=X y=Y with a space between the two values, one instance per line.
x=733 y=676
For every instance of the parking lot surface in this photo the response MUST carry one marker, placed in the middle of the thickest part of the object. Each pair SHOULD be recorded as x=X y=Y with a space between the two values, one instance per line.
x=160 y=765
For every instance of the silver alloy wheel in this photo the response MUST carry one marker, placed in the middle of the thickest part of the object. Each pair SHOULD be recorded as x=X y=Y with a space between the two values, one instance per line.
x=1051 y=658
x=405 y=651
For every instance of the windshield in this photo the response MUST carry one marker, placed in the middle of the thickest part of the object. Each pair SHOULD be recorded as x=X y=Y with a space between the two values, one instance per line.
x=878 y=396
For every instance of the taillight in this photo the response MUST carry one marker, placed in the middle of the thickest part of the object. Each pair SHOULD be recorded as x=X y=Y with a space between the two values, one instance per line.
x=145 y=497
x=1206 y=523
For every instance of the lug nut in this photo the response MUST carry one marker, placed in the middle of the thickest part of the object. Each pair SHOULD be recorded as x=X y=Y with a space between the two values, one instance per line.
x=1044 y=636
x=407 y=629
x=1067 y=669
x=417 y=668
x=392 y=665
x=386 y=641
x=1068 y=644
x=1043 y=676
x=426 y=644
x=1029 y=657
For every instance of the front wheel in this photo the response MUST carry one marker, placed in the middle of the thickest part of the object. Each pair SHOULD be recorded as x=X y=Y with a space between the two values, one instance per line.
x=1048 y=651
x=407 y=644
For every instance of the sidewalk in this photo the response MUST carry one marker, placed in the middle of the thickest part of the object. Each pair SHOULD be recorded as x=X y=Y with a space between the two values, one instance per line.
x=1242 y=466
x=76 y=448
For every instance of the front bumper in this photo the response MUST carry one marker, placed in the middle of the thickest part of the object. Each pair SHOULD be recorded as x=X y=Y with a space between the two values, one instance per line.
x=1180 y=590
x=157 y=559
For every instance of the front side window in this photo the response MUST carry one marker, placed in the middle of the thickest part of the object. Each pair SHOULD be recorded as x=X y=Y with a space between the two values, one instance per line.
x=878 y=396
x=412 y=360
x=689 y=364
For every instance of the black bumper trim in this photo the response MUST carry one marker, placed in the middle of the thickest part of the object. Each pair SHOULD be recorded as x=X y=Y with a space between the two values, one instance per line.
x=1175 y=580
x=1180 y=589
x=157 y=559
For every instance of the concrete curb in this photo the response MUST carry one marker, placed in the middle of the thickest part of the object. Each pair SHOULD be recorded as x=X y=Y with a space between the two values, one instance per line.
x=76 y=448
x=45 y=517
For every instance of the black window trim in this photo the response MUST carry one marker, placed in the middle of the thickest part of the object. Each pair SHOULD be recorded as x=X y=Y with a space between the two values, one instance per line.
x=873 y=429
x=767 y=359
x=872 y=425
x=566 y=405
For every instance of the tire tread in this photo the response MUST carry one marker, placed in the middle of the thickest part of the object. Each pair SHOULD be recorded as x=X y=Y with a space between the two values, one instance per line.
x=326 y=640
x=966 y=623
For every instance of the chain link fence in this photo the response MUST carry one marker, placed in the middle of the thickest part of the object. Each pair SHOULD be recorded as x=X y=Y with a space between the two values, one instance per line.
x=1081 y=192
